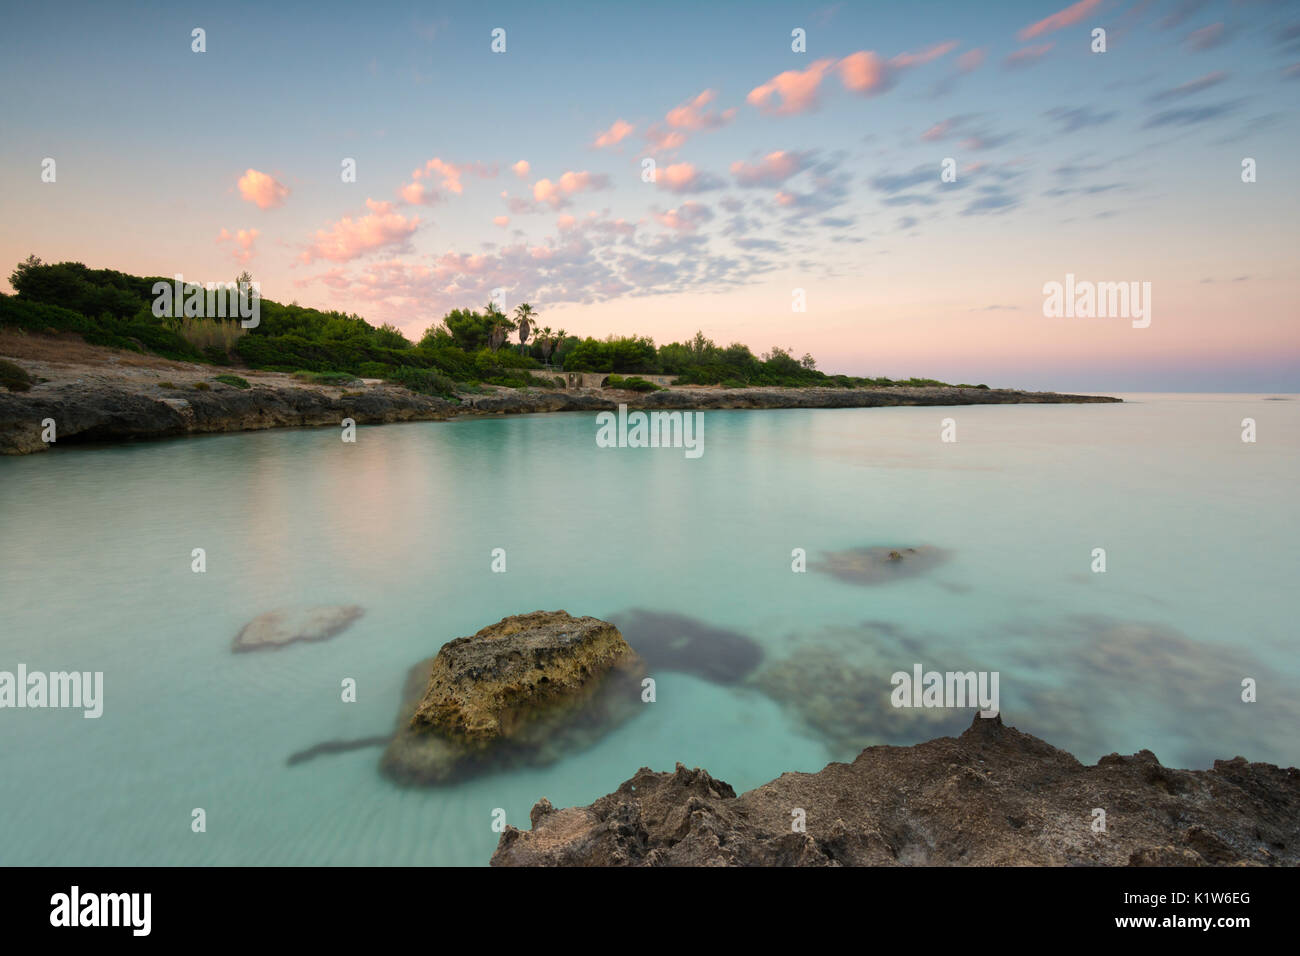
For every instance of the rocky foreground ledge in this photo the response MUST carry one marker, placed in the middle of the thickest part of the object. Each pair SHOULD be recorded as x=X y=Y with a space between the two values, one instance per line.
x=993 y=796
x=121 y=412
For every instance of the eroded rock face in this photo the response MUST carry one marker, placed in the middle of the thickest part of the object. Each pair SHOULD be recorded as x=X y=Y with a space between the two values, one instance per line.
x=993 y=796
x=128 y=411
x=287 y=625
x=528 y=689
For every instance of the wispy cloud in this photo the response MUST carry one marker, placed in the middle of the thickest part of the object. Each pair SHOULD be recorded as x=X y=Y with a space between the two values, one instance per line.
x=1189 y=88
x=1062 y=18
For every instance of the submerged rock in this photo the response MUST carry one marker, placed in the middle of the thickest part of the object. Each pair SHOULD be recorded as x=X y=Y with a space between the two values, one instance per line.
x=676 y=642
x=847 y=704
x=993 y=796
x=869 y=566
x=528 y=689
x=285 y=626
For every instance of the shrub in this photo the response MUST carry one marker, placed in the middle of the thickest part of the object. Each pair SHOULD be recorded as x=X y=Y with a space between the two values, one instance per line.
x=202 y=387
x=14 y=377
x=39 y=317
x=233 y=380
x=733 y=383
x=166 y=384
x=425 y=380
x=633 y=384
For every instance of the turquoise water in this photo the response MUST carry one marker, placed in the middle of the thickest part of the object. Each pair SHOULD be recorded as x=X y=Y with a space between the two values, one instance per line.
x=1199 y=529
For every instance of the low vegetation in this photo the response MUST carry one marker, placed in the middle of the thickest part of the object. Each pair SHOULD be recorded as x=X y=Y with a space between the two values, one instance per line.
x=14 y=377
x=468 y=348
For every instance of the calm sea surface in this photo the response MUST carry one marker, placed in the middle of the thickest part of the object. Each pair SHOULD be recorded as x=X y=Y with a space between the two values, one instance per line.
x=1199 y=528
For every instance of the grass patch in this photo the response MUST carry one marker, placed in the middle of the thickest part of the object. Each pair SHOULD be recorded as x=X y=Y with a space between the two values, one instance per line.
x=232 y=380
x=209 y=336
x=327 y=378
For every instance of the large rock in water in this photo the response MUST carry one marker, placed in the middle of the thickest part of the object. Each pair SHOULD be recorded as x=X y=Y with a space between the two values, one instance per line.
x=993 y=796
x=528 y=689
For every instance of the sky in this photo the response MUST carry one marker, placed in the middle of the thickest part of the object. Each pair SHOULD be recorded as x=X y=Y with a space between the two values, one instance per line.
x=780 y=174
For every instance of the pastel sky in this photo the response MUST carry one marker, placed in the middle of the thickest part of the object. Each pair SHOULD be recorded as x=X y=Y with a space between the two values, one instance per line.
x=776 y=170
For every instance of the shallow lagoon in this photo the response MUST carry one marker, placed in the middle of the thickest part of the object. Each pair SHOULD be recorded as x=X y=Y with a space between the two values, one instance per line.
x=1199 y=530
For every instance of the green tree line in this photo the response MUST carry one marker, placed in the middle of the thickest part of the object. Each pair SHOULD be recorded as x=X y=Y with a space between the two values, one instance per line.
x=467 y=346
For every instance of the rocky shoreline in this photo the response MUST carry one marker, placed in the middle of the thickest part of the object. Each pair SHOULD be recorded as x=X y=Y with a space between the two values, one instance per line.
x=128 y=410
x=993 y=796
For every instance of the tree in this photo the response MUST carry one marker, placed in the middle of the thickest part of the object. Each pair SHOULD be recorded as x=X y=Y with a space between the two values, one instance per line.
x=499 y=326
x=22 y=270
x=545 y=344
x=523 y=315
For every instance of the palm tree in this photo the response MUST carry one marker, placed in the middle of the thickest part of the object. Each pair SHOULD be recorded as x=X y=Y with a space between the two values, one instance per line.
x=546 y=342
x=499 y=326
x=523 y=315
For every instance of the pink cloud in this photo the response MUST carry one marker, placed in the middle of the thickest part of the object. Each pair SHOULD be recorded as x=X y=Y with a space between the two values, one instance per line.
x=663 y=141
x=692 y=115
x=614 y=135
x=1062 y=18
x=937 y=131
x=1027 y=56
x=522 y=169
x=864 y=72
x=774 y=169
x=243 y=240
x=795 y=90
x=451 y=173
x=262 y=190
x=501 y=221
x=685 y=218
x=351 y=238
x=904 y=60
x=685 y=178
x=419 y=194
x=556 y=193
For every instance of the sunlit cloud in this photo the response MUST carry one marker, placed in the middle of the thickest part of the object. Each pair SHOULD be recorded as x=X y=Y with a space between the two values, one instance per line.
x=349 y=238
x=618 y=132
x=262 y=190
